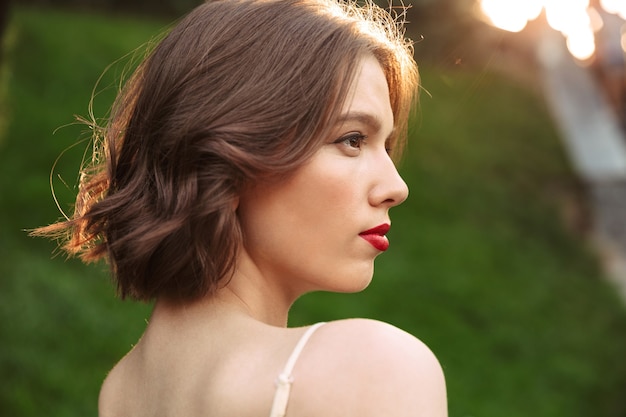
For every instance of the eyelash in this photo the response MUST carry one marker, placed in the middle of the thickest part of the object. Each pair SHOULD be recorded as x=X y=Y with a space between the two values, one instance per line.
x=361 y=139
x=350 y=139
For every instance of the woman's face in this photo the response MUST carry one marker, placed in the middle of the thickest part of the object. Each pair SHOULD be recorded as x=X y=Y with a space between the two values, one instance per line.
x=321 y=228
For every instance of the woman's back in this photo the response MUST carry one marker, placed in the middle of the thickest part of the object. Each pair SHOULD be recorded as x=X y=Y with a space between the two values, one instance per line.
x=187 y=367
x=230 y=368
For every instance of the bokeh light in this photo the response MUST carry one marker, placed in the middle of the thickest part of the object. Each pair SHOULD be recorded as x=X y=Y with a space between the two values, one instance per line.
x=576 y=20
x=512 y=16
x=617 y=7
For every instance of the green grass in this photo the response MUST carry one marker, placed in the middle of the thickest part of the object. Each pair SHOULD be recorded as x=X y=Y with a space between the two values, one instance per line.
x=482 y=266
x=61 y=327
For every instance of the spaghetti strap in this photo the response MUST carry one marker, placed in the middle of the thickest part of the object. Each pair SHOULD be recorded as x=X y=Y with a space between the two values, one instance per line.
x=283 y=383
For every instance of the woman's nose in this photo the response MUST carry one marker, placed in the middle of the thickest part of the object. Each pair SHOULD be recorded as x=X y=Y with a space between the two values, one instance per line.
x=389 y=189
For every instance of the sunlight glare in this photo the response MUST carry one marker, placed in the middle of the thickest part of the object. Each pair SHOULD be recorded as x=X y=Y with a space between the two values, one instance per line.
x=509 y=16
x=617 y=7
x=533 y=8
x=581 y=44
x=577 y=20
x=567 y=16
x=611 y=6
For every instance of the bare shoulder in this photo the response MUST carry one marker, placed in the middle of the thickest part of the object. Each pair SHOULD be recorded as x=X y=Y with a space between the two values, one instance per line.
x=107 y=397
x=114 y=392
x=380 y=345
x=370 y=368
x=110 y=394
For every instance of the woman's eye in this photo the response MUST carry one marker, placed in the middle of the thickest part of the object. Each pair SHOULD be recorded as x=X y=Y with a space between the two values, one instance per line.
x=353 y=141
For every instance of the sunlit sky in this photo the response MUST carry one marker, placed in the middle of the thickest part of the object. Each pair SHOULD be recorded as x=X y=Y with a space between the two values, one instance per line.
x=575 y=19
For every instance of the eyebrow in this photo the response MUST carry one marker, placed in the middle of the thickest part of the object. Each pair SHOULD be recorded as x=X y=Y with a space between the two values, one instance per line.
x=367 y=119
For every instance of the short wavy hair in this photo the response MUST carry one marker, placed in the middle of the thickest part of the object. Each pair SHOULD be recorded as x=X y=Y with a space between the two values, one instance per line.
x=239 y=91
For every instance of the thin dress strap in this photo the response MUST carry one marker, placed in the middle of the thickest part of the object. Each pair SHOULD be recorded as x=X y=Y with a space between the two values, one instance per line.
x=283 y=383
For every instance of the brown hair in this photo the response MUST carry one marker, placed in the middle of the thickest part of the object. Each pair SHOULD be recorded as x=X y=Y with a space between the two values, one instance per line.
x=239 y=91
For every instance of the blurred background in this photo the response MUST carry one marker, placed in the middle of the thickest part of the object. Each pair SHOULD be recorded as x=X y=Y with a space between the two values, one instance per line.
x=508 y=256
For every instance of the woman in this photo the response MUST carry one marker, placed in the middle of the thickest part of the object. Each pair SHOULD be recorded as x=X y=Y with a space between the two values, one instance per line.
x=247 y=162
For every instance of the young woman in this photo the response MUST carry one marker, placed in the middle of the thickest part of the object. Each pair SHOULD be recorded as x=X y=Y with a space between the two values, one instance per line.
x=247 y=162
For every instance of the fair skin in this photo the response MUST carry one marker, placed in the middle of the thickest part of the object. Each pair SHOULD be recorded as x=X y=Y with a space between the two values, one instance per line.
x=220 y=356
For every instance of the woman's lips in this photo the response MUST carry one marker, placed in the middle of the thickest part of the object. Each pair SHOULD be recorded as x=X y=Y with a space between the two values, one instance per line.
x=376 y=236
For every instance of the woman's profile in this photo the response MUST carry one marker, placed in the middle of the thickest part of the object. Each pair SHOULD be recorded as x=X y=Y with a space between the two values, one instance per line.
x=246 y=162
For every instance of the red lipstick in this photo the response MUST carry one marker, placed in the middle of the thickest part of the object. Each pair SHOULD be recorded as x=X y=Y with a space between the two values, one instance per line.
x=376 y=236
